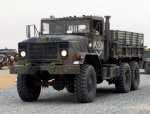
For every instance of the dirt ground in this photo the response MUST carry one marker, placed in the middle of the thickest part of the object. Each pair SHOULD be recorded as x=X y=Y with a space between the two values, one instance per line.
x=7 y=81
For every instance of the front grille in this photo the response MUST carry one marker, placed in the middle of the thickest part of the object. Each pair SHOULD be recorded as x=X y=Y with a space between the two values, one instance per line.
x=42 y=51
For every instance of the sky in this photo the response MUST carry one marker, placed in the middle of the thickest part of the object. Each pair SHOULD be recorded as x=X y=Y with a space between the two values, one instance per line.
x=127 y=15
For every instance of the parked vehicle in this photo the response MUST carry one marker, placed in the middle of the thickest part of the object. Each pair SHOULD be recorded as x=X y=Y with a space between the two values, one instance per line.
x=8 y=56
x=3 y=60
x=8 y=52
x=147 y=61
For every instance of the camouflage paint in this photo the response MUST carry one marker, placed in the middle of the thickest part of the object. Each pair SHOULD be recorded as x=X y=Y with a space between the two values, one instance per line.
x=76 y=44
x=107 y=48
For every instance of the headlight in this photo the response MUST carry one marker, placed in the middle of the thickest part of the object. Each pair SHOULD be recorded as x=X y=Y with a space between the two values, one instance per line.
x=64 y=53
x=23 y=53
x=90 y=44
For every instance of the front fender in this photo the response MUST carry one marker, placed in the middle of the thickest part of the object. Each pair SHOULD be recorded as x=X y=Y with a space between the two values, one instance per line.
x=86 y=57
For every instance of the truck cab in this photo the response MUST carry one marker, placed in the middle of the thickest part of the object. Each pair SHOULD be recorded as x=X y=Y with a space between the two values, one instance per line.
x=71 y=25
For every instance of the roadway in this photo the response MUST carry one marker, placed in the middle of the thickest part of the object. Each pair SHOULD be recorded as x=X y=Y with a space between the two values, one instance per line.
x=61 y=102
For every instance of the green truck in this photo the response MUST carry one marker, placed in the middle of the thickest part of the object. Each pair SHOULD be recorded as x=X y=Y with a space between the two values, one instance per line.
x=147 y=61
x=77 y=53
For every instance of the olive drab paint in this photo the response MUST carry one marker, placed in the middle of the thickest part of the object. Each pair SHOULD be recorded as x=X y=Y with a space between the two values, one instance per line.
x=72 y=51
x=106 y=44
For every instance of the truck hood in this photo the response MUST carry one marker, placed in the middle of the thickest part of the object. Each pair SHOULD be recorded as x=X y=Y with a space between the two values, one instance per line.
x=56 y=38
x=76 y=43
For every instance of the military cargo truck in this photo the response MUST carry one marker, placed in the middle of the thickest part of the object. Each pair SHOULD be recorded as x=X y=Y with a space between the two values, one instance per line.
x=147 y=61
x=77 y=53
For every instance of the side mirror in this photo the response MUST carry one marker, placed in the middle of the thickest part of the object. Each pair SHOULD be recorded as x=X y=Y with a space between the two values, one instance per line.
x=31 y=31
x=28 y=34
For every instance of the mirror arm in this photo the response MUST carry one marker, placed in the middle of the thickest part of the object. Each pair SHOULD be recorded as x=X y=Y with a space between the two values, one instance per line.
x=28 y=31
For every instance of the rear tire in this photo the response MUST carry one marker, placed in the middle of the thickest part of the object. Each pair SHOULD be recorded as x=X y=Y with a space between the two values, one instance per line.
x=27 y=87
x=135 y=75
x=147 y=68
x=85 y=84
x=123 y=81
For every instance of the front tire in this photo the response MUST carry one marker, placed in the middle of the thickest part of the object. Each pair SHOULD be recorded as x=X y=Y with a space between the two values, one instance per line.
x=123 y=81
x=85 y=84
x=135 y=75
x=27 y=87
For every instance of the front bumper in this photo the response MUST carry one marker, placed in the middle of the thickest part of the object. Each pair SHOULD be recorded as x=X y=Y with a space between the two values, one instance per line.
x=56 y=69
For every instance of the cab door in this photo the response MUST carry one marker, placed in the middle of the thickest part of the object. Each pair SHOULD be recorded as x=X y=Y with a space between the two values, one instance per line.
x=98 y=42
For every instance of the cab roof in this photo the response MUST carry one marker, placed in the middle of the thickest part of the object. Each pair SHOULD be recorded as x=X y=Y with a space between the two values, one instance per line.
x=74 y=18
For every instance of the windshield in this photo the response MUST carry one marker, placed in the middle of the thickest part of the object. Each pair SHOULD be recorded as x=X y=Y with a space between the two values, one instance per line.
x=53 y=27
x=65 y=26
x=78 y=26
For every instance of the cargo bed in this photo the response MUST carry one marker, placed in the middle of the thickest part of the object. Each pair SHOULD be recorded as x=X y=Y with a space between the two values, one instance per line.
x=126 y=44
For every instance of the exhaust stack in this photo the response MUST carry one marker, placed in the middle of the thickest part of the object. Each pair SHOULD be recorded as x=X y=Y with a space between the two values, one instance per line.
x=107 y=37
x=107 y=24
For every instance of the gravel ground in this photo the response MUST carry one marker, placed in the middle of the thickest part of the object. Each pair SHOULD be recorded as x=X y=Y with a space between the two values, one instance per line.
x=53 y=102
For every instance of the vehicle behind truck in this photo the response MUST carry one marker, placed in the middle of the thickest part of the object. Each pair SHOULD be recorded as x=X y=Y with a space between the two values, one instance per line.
x=3 y=60
x=77 y=53
x=7 y=57
x=147 y=61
